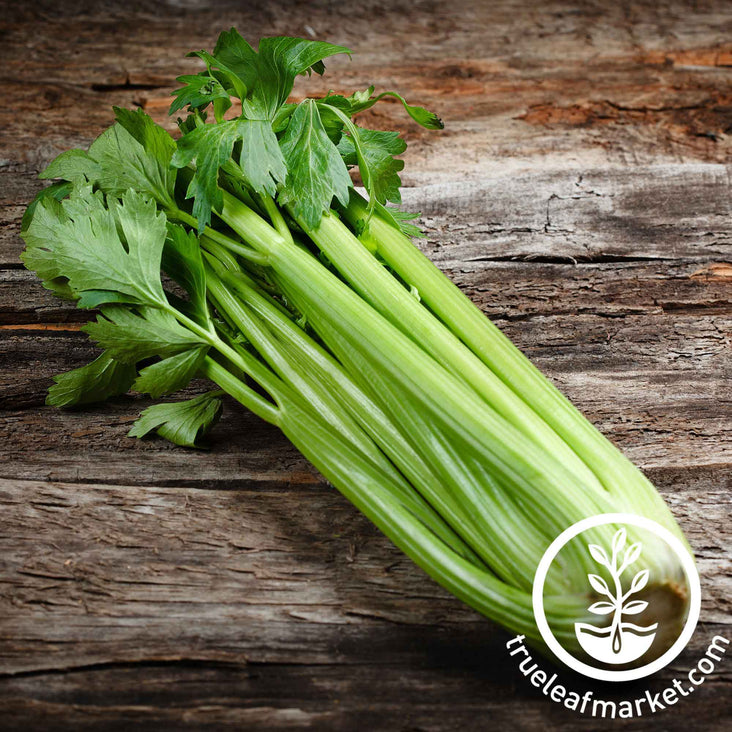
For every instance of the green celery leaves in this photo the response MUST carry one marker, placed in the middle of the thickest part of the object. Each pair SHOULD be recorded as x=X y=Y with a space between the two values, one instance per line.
x=280 y=60
x=373 y=152
x=102 y=378
x=363 y=100
x=79 y=240
x=130 y=336
x=171 y=374
x=76 y=166
x=315 y=171
x=261 y=79
x=40 y=231
x=210 y=146
x=261 y=160
x=198 y=92
x=135 y=153
x=182 y=262
x=296 y=153
x=108 y=252
x=183 y=423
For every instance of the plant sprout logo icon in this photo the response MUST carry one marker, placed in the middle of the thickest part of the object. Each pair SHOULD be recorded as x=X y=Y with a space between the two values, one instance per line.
x=615 y=643
x=619 y=642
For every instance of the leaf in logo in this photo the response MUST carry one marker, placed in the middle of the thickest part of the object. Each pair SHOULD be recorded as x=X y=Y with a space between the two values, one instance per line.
x=601 y=608
x=632 y=553
x=598 y=554
x=619 y=540
x=599 y=585
x=639 y=582
x=634 y=607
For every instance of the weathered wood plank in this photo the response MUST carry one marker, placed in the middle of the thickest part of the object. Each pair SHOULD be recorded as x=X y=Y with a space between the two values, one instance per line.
x=504 y=290
x=566 y=83
x=667 y=212
x=390 y=697
x=23 y=299
x=246 y=589
x=658 y=386
x=520 y=290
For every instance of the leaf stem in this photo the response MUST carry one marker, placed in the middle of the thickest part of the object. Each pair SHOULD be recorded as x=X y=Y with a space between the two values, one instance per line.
x=276 y=217
x=225 y=241
x=241 y=359
x=240 y=391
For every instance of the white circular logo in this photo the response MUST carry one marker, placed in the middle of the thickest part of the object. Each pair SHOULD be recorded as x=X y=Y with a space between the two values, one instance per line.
x=616 y=640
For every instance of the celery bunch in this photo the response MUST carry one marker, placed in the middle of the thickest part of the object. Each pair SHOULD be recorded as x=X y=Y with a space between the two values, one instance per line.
x=242 y=253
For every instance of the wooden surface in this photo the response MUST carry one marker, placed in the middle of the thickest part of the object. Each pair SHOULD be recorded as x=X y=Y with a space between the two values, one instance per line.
x=580 y=194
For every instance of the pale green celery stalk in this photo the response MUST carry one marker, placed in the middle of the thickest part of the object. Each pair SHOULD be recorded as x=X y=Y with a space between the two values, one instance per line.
x=287 y=369
x=371 y=491
x=243 y=393
x=289 y=402
x=356 y=480
x=477 y=588
x=498 y=547
x=292 y=368
x=275 y=216
x=541 y=484
x=318 y=365
x=549 y=496
x=222 y=254
x=509 y=538
x=377 y=286
x=633 y=491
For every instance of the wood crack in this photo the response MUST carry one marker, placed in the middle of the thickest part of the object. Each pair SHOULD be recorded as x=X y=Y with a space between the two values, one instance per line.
x=142 y=663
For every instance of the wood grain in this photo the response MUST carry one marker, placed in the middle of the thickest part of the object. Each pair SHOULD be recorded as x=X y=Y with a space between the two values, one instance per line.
x=223 y=591
x=580 y=195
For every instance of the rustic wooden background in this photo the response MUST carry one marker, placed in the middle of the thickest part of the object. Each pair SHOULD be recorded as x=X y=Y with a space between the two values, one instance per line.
x=580 y=194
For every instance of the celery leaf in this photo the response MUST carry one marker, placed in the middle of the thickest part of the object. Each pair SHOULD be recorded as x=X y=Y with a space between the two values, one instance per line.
x=102 y=378
x=171 y=374
x=362 y=100
x=135 y=153
x=76 y=166
x=315 y=171
x=79 y=240
x=211 y=145
x=373 y=151
x=131 y=336
x=183 y=423
x=198 y=92
x=182 y=262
